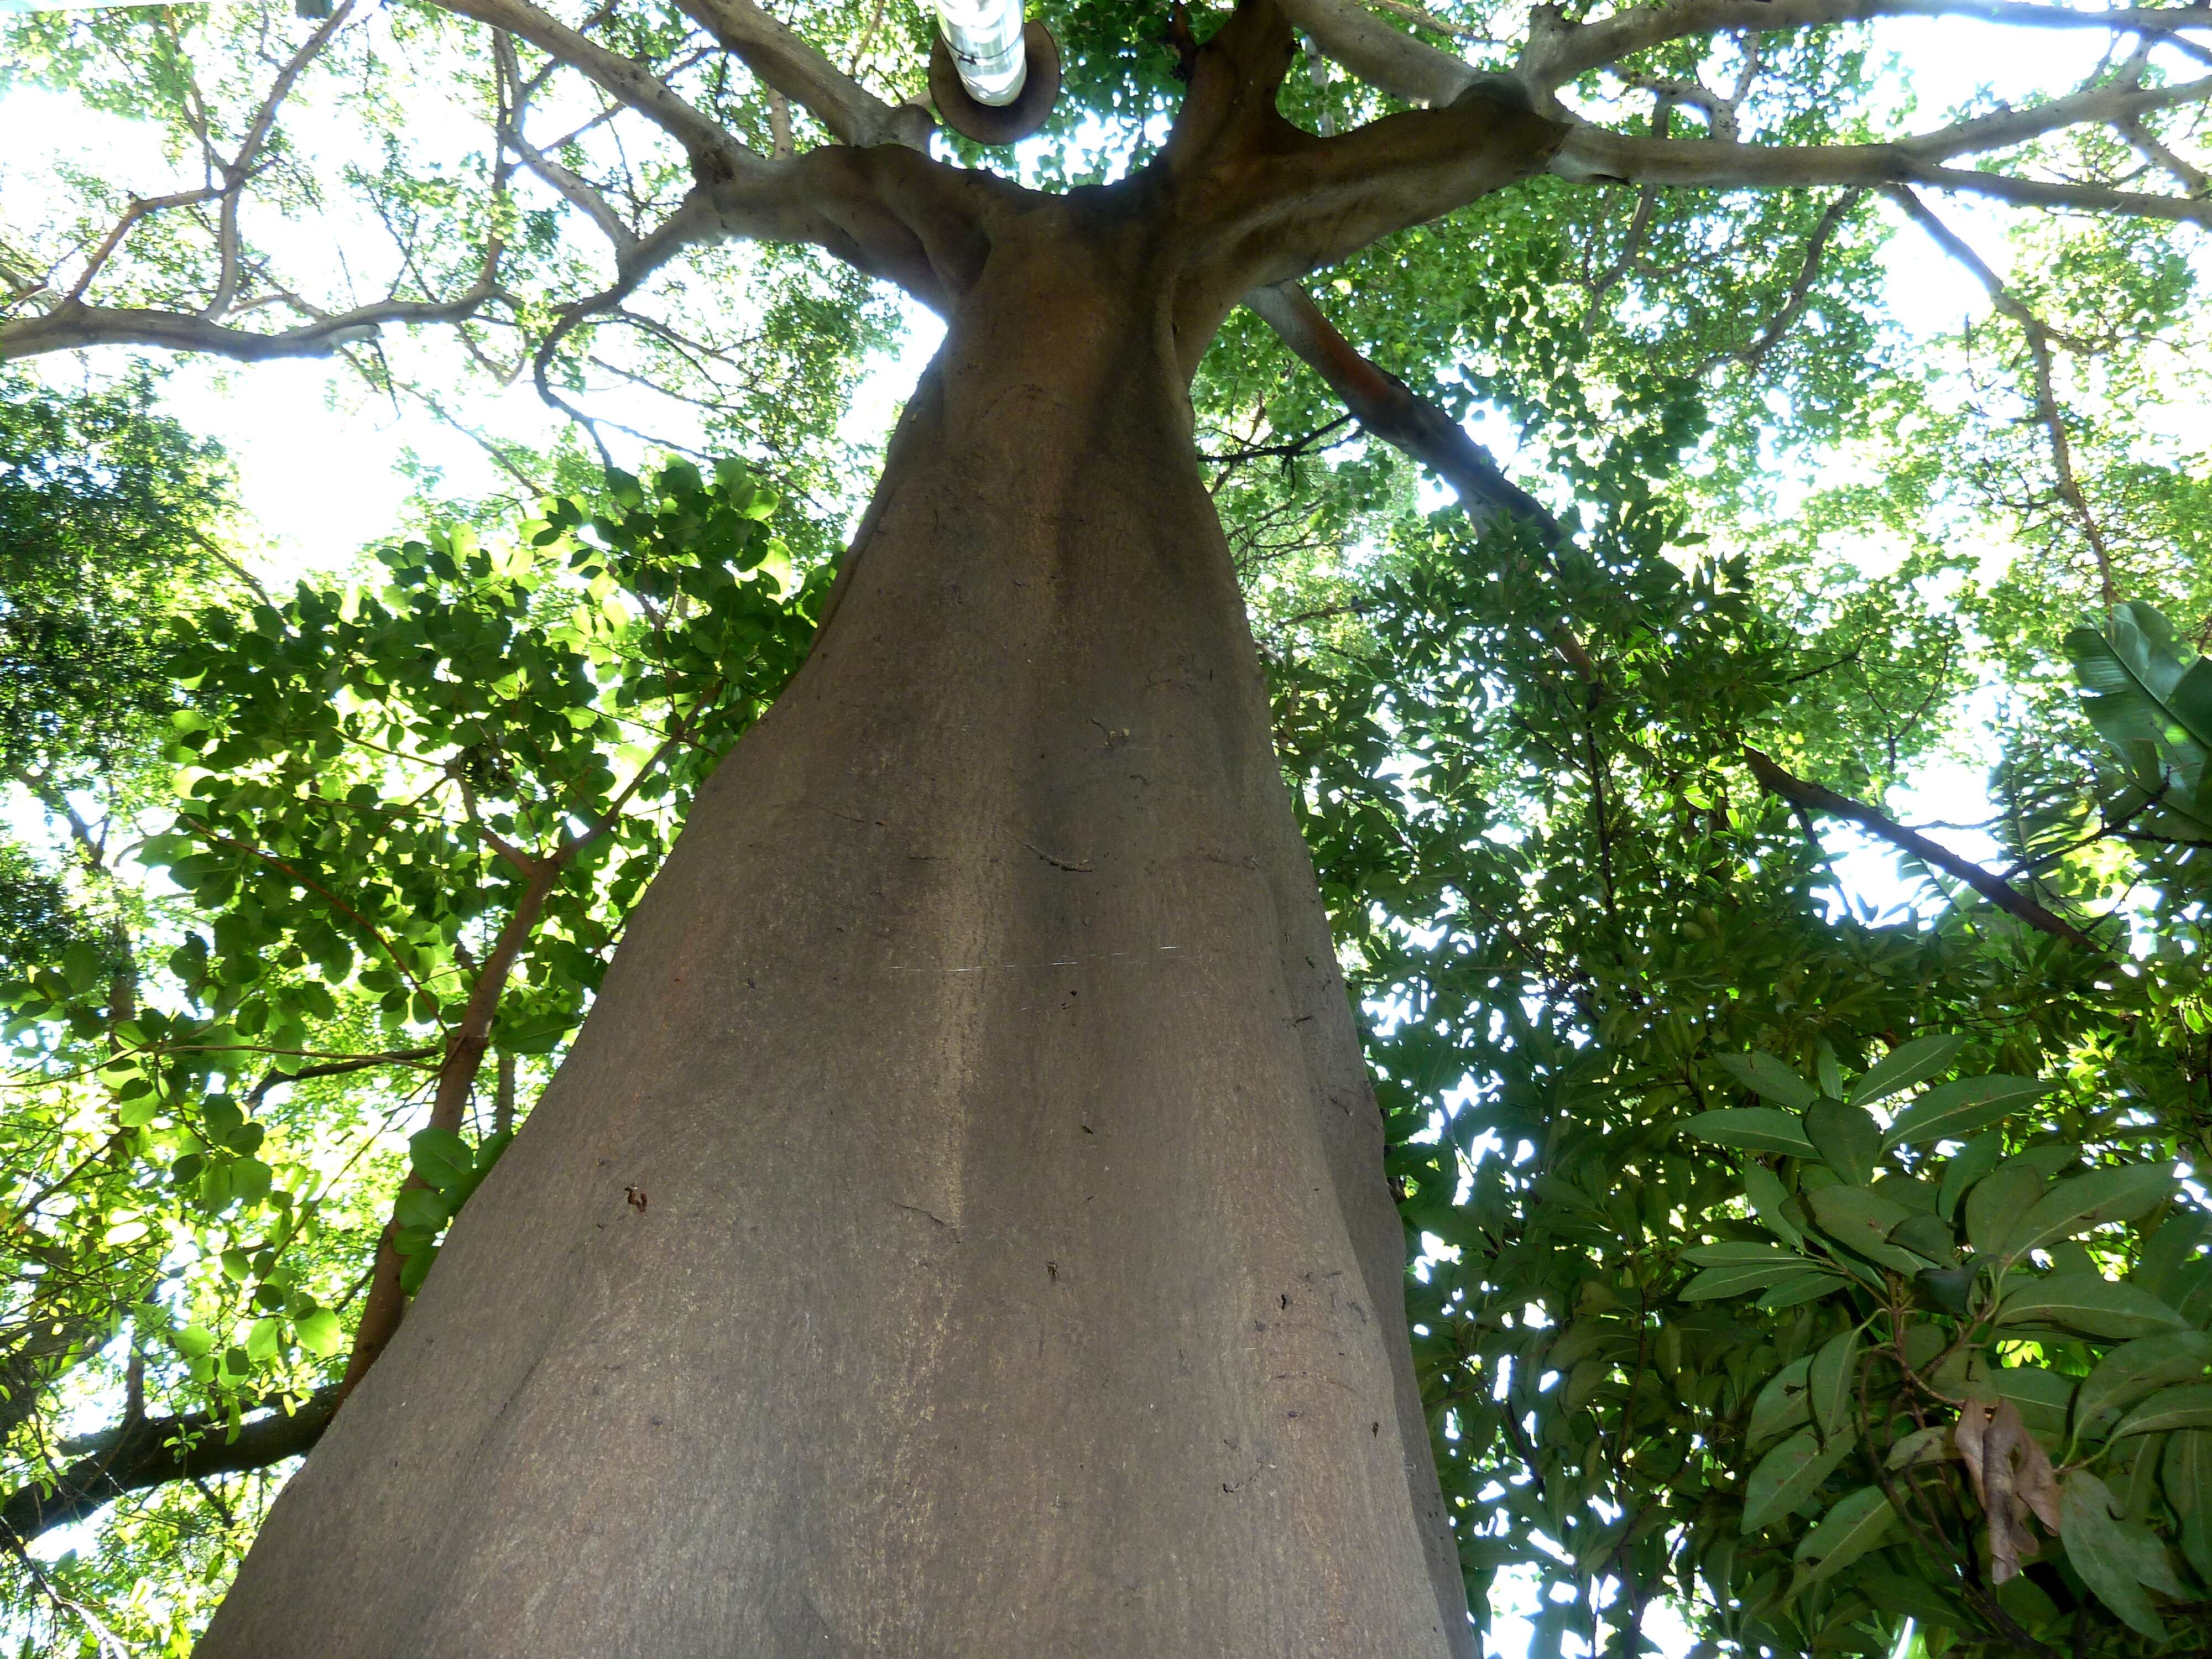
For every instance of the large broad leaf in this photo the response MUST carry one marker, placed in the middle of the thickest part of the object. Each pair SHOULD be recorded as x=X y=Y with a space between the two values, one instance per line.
x=1764 y=1075
x=2189 y=1407
x=1830 y=1383
x=2108 y=1560
x=1954 y=1110
x=2089 y=1200
x=1752 y=1128
x=439 y=1157
x=1789 y=1474
x=1741 y=1254
x=1806 y=1288
x=2135 y=1369
x=2149 y=701
x=1861 y=1219
x=1767 y=1195
x=1847 y=1138
x=320 y=1334
x=2186 y=1471
x=1848 y=1531
x=2039 y=1395
x=1996 y=1203
x=1741 y=1278
x=2089 y=1304
x=1976 y=1159
x=1782 y=1404
x=1904 y=1067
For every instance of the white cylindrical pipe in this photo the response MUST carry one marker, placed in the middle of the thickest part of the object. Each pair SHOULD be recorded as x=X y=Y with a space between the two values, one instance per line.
x=986 y=41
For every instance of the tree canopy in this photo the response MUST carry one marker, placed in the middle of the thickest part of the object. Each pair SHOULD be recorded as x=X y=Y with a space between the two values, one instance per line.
x=1807 y=1267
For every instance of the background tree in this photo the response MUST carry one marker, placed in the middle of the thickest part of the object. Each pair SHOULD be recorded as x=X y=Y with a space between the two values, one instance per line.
x=1567 y=362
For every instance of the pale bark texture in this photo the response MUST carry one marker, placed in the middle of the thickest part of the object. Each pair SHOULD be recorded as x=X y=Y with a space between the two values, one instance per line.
x=960 y=1228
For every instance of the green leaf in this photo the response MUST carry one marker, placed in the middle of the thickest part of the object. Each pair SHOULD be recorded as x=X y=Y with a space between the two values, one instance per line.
x=265 y=1339
x=1902 y=1067
x=423 y=1207
x=1741 y=1278
x=1853 y=1527
x=2135 y=1369
x=2102 y=1554
x=2186 y=1471
x=1782 y=1405
x=1788 y=1475
x=137 y=1114
x=1948 y=1288
x=1924 y=1235
x=320 y=1334
x=2041 y=1397
x=416 y=1267
x=1764 y=1075
x=1809 y=1287
x=1976 y=1159
x=1826 y=1072
x=1952 y=1111
x=2087 y=1302
x=1767 y=1195
x=439 y=1157
x=1752 y=1128
x=1847 y=1138
x=1831 y=1382
x=2189 y=1407
x=1894 y=1593
x=1997 y=1203
x=1928 y=1445
x=2149 y=702
x=1739 y=1255
x=250 y=1180
x=2089 y=1200
x=1863 y=1220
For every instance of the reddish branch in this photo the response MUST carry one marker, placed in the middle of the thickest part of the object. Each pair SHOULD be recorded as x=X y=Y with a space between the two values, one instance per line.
x=1386 y=406
x=465 y=1051
x=470 y=1035
x=1815 y=798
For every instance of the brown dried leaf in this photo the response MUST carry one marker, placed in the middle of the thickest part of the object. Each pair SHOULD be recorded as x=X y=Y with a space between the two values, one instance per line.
x=2011 y=1476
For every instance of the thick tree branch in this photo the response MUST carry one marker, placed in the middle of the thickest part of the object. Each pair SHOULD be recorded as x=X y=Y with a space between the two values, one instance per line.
x=1593 y=153
x=1386 y=406
x=1814 y=797
x=73 y=325
x=1557 y=52
x=1385 y=58
x=786 y=62
x=1263 y=202
x=571 y=187
x=153 y=1451
x=633 y=84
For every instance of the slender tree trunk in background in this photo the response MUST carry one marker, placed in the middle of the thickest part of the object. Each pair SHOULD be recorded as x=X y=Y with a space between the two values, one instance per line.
x=960 y=1228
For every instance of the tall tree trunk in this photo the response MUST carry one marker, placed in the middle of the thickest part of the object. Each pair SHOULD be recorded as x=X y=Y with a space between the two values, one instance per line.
x=960 y=1228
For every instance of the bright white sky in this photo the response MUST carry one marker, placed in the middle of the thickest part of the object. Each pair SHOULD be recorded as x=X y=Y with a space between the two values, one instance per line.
x=318 y=462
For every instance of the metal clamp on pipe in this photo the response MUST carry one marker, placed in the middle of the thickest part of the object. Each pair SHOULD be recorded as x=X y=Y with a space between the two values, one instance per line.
x=994 y=78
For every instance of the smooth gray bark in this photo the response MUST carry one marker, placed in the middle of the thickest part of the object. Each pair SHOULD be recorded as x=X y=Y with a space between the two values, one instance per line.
x=960 y=1228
